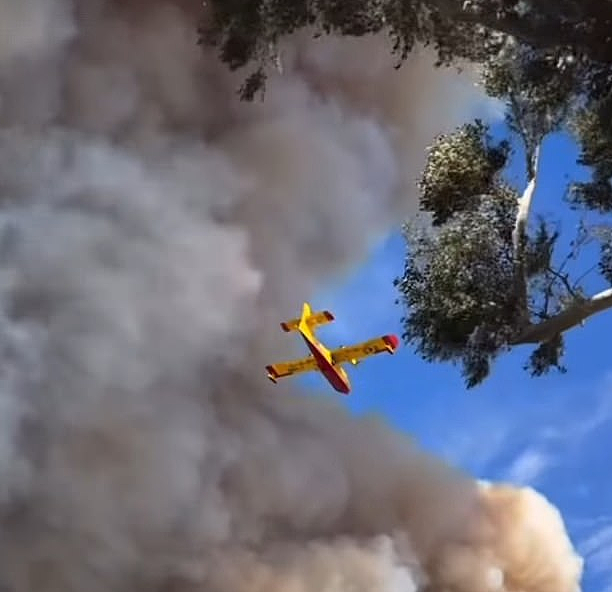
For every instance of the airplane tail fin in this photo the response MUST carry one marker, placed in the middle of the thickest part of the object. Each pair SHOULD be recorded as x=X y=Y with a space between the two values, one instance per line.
x=309 y=320
x=304 y=325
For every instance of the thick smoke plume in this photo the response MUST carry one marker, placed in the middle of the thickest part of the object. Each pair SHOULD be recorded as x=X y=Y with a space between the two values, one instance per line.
x=153 y=232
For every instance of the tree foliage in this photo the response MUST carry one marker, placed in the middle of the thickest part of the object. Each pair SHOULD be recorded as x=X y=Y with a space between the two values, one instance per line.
x=461 y=293
x=593 y=126
x=605 y=262
x=248 y=31
x=460 y=168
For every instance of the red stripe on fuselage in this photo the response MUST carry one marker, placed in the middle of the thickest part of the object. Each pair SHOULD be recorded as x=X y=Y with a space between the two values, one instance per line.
x=328 y=370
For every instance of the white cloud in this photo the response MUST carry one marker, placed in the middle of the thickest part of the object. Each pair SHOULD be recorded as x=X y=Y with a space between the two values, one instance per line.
x=589 y=523
x=479 y=446
x=527 y=467
x=601 y=415
x=597 y=551
x=551 y=436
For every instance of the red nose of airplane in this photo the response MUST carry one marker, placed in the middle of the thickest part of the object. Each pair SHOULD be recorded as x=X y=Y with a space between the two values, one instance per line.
x=392 y=341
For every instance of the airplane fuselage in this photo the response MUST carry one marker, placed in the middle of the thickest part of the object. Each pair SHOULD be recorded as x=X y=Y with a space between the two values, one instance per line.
x=335 y=375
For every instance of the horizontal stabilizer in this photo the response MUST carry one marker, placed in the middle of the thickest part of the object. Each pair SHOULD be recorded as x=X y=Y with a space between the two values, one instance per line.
x=313 y=320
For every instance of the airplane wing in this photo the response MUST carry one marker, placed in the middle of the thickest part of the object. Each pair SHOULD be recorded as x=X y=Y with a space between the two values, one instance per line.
x=354 y=353
x=283 y=369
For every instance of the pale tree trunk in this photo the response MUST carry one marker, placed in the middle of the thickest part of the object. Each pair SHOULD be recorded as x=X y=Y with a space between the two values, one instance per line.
x=576 y=312
x=520 y=228
x=524 y=203
x=573 y=315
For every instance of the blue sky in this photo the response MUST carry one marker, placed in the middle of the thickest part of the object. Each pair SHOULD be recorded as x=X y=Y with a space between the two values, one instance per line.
x=553 y=433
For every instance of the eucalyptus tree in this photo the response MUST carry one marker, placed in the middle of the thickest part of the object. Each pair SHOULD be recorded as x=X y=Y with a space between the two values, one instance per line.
x=486 y=275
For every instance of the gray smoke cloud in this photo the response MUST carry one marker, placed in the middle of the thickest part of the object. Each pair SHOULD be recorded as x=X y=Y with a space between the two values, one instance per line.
x=153 y=233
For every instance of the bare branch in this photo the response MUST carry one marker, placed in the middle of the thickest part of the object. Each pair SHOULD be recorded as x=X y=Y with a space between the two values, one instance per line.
x=563 y=277
x=584 y=274
x=568 y=318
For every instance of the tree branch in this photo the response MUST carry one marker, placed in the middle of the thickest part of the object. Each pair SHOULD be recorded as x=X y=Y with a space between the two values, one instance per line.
x=563 y=279
x=544 y=34
x=571 y=316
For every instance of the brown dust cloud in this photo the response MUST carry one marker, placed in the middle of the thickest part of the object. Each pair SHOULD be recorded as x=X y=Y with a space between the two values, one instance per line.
x=153 y=232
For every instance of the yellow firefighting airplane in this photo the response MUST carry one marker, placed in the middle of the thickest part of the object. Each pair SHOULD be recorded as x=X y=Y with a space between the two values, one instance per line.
x=322 y=359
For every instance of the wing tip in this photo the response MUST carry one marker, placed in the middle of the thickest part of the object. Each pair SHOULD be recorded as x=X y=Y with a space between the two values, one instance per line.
x=272 y=374
x=392 y=341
